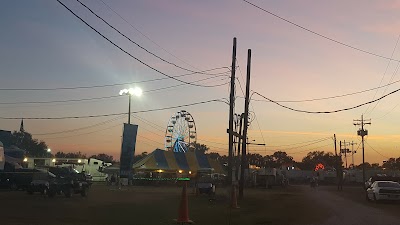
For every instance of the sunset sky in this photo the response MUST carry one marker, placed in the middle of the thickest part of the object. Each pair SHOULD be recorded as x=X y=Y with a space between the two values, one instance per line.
x=43 y=45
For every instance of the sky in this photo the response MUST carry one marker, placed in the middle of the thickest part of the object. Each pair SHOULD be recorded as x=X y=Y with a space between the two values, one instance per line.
x=43 y=45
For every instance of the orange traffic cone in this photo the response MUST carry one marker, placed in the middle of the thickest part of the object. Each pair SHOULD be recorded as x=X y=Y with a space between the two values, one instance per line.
x=234 y=204
x=183 y=216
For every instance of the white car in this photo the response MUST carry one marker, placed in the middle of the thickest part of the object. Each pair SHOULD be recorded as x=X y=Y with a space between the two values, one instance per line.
x=383 y=190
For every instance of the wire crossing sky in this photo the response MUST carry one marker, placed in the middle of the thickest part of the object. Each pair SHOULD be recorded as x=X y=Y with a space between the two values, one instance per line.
x=63 y=63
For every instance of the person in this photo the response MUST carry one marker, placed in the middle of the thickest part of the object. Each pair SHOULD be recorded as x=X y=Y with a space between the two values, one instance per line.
x=113 y=179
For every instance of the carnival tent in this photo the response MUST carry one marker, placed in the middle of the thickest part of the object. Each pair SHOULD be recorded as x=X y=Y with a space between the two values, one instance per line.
x=169 y=161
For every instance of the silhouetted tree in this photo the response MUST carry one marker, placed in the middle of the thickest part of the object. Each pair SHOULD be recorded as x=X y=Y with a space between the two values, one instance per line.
x=136 y=158
x=199 y=147
x=33 y=147
x=313 y=158
x=103 y=157
x=74 y=155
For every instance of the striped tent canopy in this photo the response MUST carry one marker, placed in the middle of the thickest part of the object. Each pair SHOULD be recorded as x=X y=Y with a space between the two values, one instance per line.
x=169 y=161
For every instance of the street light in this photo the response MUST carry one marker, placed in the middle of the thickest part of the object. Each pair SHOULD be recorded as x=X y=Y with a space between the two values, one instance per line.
x=131 y=91
x=48 y=150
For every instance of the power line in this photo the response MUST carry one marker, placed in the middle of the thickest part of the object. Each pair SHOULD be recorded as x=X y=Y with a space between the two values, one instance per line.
x=311 y=149
x=327 y=112
x=377 y=151
x=299 y=143
x=330 y=97
x=320 y=35
x=107 y=85
x=99 y=98
x=285 y=149
x=147 y=37
x=252 y=107
x=133 y=42
x=384 y=74
x=111 y=114
x=82 y=128
x=126 y=52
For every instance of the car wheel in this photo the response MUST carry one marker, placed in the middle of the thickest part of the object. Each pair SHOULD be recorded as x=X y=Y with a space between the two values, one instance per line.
x=51 y=193
x=29 y=191
x=14 y=186
x=68 y=192
x=44 y=191
x=84 y=192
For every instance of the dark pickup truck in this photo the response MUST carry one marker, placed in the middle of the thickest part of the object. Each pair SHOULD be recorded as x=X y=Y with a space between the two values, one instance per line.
x=17 y=179
x=70 y=181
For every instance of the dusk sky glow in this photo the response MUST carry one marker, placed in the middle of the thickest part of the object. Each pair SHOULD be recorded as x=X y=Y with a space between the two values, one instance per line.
x=44 y=46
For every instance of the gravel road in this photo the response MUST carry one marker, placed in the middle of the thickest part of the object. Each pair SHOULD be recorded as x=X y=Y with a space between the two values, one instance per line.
x=347 y=212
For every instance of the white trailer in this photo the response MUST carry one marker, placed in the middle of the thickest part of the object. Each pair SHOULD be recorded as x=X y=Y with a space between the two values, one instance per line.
x=91 y=166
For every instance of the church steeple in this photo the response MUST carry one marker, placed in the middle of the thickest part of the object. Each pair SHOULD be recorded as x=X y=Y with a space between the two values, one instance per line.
x=21 y=128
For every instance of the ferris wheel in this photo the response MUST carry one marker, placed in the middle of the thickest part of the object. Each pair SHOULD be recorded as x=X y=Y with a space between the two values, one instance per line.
x=181 y=134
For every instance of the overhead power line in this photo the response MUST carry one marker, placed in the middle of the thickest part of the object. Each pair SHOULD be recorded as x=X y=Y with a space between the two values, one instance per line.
x=133 y=42
x=321 y=35
x=147 y=37
x=126 y=52
x=299 y=143
x=327 y=112
x=384 y=156
x=330 y=97
x=100 y=98
x=81 y=128
x=111 y=114
x=384 y=74
x=109 y=85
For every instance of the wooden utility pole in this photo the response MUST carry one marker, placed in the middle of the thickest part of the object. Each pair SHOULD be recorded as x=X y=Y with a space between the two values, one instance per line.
x=231 y=111
x=238 y=165
x=361 y=132
x=334 y=139
x=245 y=126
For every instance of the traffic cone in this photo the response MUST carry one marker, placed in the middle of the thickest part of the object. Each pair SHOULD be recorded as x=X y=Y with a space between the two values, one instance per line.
x=183 y=216
x=234 y=204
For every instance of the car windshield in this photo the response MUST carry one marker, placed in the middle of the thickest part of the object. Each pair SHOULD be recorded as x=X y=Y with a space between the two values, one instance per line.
x=389 y=184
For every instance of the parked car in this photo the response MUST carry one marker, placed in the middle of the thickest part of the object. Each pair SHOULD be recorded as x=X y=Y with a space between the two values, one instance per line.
x=45 y=183
x=17 y=179
x=71 y=181
x=372 y=179
x=383 y=190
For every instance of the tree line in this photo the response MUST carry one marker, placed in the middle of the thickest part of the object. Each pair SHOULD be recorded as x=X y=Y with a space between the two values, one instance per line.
x=38 y=148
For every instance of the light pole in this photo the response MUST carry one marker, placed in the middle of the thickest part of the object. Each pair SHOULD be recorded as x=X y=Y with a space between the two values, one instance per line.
x=131 y=91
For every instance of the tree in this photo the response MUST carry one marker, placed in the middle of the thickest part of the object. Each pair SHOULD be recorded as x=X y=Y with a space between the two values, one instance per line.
x=199 y=147
x=103 y=157
x=313 y=158
x=33 y=147
x=137 y=158
x=392 y=163
x=73 y=155
x=281 y=158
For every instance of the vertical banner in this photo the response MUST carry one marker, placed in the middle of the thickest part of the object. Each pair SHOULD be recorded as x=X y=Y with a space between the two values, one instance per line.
x=127 y=149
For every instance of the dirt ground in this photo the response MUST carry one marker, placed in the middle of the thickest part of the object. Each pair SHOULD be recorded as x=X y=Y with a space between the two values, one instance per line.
x=159 y=205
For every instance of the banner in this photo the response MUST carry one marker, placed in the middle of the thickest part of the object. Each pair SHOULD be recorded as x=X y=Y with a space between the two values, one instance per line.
x=127 y=149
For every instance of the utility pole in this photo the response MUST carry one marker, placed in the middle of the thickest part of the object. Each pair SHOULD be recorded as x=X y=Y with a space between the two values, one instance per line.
x=361 y=132
x=334 y=139
x=231 y=111
x=246 y=125
x=340 y=171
